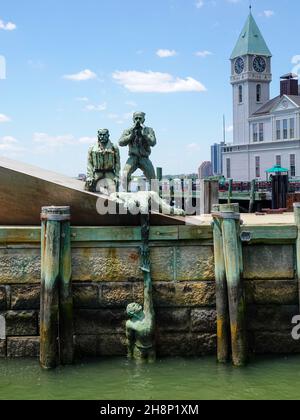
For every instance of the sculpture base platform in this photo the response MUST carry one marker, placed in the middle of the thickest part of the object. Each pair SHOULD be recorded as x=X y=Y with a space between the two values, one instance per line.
x=25 y=189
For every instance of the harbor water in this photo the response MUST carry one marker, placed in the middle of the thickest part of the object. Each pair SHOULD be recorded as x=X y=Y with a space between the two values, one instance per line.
x=174 y=379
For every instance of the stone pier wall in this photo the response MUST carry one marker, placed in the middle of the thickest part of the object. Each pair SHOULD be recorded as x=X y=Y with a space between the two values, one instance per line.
x=106 y=277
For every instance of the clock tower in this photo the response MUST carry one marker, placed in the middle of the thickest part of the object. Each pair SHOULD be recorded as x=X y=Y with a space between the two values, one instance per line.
x=250 y=78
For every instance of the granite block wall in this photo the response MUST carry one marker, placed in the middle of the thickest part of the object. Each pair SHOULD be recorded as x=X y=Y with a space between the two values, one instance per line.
x=106 y=278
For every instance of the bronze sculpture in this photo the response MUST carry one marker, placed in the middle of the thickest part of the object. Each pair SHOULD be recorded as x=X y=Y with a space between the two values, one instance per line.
x=140 y=328
x=104 y=166
x=140 y=139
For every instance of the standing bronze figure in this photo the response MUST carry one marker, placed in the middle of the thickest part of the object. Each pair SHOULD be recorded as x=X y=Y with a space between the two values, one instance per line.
x=104 y=166
x=140 y=139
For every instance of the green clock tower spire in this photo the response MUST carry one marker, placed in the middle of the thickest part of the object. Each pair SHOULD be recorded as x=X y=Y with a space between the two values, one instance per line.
x=251 y=40
x=250 y=78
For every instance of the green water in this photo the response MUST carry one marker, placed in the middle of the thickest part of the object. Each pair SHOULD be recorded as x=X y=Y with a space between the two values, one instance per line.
x=167 y=379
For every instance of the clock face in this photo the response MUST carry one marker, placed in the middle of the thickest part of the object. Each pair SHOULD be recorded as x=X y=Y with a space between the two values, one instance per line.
x=239 y=65
x=259 y=64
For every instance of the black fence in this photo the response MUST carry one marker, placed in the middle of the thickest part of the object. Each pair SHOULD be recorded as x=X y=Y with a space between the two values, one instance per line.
x=260 y=186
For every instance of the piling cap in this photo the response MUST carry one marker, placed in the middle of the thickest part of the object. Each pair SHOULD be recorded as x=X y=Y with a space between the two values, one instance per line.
x=56 y=213
x=229 y=208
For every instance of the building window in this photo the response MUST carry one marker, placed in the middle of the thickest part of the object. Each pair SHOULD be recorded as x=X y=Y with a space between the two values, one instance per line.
x=292 y=165
x=278 y=160
x=255 y=133
x=257 y=167
x=285 y=129
x=261 y=132
x=258 y=93
x=278 y=129
x=292 y=128
x=240 y=94
x=228 y=168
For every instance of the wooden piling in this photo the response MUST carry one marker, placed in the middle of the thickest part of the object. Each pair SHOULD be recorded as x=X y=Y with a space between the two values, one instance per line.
x=236 y=297
x=209 y=195
x=49 y=289
x=297 y=221
x=223 y=323
x=65 y=294
x=55 y=287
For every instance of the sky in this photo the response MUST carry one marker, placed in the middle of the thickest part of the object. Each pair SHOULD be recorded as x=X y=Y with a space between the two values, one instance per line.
x=75 y=66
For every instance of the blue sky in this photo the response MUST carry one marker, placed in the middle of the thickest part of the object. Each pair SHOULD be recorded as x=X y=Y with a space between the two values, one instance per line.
x=75 y=66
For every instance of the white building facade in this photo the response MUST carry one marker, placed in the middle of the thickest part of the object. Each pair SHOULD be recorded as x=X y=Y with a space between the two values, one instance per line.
x=266 y=131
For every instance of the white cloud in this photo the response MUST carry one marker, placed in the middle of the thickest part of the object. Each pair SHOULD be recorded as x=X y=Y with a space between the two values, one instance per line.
x=229 y=129
x=154 y=82
x=87 y=140
x=131 y=103
x=4 y=118
x=46 y=143
x=120 y=118
x=96 y=108
x=36 y=64
x=268 y=13
x=199 y=4
x=9 y=26
x=203 y=54
x=9 y=146
x=166 y=53
x=82 y=99
x=81 y=76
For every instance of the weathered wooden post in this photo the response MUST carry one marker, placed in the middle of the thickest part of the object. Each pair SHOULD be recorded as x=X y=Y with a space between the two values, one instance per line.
x=223 y=323
x=297 y=221
x=230 y=187
x=56 y=334
x=252 y=196
x=49 y=288
x=237 y=307
x=65 y=294
x=209 y=195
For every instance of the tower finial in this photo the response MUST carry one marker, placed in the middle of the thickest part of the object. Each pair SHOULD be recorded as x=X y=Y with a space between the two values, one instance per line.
x=250 y=6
